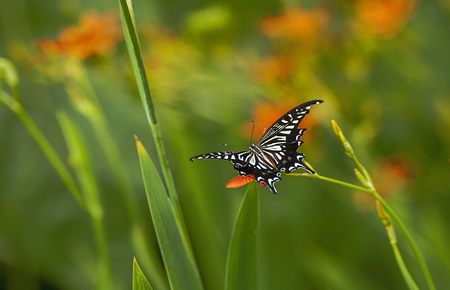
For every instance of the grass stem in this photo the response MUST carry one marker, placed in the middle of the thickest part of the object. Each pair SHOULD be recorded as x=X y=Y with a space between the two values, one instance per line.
x=44 y=144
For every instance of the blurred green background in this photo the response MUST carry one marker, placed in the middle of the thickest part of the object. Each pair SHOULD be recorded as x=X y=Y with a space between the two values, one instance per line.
x=382 y=68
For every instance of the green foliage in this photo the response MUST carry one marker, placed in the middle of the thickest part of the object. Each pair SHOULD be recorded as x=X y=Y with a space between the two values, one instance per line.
x=139 y=280
x=80 y=160
x=176 y=252
x=73 y=205
x=242 y=264
x=8 y=73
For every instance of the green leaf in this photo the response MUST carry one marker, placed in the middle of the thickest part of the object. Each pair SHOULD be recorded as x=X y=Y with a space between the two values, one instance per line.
x=132 y=41
x=81 y=162
x=177 y=255
x=8 y=73
x=139 y=280
x=134 y=51
x=242 y=264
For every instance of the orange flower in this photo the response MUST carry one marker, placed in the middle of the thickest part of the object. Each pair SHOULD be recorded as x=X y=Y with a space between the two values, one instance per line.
x=273 y=69
x=393 y=175
x=296 y=24
x=242 y=180
x=384 y=17
x=95 y=35
x=265 y=114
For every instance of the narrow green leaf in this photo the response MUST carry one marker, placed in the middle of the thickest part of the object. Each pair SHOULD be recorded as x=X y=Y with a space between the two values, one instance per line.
x=81 y=162
x=139 y=280
x=8 y=72
x=79 y=159
x=177 y=255
x=242 y=264
x=134 y=51
x=136 y=58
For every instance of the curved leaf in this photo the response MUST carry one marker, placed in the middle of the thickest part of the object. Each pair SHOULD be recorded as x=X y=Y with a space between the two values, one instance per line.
x=139 y=280
x=177 y=255
x=242 y=264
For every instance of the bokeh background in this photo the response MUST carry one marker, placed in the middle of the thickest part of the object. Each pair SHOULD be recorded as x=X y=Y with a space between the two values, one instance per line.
x=382 y=68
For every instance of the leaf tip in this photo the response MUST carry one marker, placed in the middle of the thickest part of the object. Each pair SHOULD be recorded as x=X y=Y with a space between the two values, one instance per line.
x=139 y=145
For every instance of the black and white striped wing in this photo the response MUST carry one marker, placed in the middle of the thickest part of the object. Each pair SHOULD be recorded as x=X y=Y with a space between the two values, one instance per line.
x=247 y=162
x=284 y=127
x=278 y=148
x=282 y=139
x=265 y=172
x=226 y=155
x=240 y=160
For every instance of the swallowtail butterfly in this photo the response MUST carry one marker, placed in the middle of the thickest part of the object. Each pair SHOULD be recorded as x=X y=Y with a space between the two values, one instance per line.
x=276 y=151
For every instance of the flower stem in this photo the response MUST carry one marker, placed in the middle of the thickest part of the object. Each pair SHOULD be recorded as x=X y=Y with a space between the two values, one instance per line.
x=84 y=99
x=390 y=231
x=416 y=250
x=332 y=180
x=45 y=146
x=364 y=177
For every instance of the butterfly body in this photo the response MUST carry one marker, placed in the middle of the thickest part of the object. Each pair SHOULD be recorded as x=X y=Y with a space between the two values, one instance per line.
x=275 y=152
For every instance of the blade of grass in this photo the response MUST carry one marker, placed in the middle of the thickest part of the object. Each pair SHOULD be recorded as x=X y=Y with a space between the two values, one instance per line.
x=205 y=212
x=178 y=258
x=242 y=263
x=84 y=99
x=139 y=280
x=80 y=160
x=134 y=51
x=9 y=74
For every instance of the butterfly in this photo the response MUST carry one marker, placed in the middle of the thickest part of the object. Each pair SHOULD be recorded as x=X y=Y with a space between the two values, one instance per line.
x=275 y=152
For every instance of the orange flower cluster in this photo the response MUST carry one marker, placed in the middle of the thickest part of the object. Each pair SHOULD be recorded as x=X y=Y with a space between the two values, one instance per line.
x=296 y=24
x=393 y=175
x=95 y=35
x=384 y=17
x=265 y=114
x=273 y=69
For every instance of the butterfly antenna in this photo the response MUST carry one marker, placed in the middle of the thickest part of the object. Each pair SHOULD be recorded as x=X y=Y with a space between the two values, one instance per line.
x=232 y=145
x=251 y=135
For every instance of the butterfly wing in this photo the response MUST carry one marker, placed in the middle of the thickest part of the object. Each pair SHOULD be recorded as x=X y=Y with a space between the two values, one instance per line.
x=285 y=125
x=282 y=139
x=279 y=150
x=246 y=163
x=260 y=168
x=242 y=161
x=226 y=155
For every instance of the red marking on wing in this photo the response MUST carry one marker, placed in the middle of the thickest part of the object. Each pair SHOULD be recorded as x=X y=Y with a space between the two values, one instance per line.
x=240 y=181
